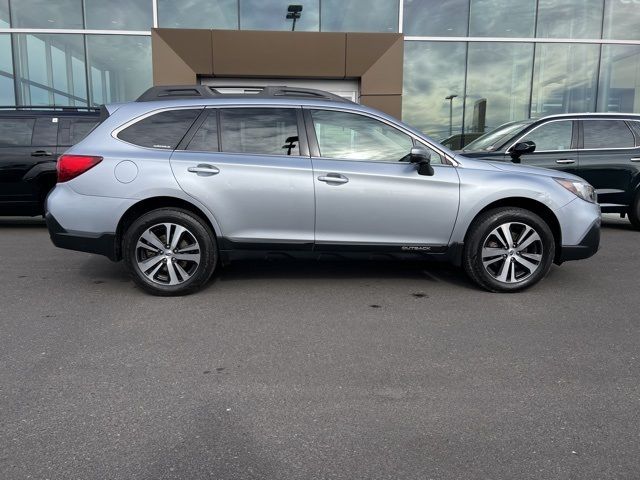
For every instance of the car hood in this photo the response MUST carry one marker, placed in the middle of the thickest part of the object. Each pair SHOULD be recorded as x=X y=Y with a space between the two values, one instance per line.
x=504 y=166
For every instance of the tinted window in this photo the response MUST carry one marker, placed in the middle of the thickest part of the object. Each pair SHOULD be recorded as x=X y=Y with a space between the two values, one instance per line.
x=206 y=138
x=16 y=131
x=356 y=137
x=78 y=129
x=607 y=134
x=551 y=136
x=45 y=131
x=162 y=130
x=267 y=131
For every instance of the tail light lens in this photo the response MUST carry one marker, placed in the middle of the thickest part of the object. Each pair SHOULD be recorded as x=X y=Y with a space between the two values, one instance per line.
x=70 y=166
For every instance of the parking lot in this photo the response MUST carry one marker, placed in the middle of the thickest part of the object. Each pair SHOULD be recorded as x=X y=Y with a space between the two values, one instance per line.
x=317 y=370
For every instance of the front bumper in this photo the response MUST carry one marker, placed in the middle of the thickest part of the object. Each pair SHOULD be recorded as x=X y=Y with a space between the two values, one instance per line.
x=586 y=248
x=101 y=244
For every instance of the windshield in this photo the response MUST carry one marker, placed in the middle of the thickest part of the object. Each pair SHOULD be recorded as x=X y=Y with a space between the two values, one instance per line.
x=489 y=141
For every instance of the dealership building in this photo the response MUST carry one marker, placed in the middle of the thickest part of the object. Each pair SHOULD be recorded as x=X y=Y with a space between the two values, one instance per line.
x=445 y=66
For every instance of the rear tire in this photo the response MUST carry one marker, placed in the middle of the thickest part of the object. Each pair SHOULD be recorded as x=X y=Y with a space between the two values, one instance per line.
x=170 y=251
x=508 y=249
x=634 y=212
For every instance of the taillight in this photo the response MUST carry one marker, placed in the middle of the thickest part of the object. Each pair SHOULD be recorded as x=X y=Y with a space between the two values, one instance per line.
x=70 y=166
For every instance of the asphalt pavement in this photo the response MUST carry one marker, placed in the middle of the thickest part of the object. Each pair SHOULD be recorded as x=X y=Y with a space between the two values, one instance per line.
x=301 y=370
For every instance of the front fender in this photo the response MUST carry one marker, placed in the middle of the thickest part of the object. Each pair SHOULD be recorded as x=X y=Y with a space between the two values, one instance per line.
x=481 y=188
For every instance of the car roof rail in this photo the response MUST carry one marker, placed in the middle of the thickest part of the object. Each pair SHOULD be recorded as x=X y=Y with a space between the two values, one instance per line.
x=50 y=107
x=173 y=92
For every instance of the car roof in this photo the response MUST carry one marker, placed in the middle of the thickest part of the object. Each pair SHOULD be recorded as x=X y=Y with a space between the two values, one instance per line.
x=635 y=116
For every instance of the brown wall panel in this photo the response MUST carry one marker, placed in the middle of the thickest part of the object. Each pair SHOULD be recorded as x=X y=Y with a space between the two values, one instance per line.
x=385 y=75
x=192 y=45
x=391 y=104
x=278 y=54
x=181 y=55
x=168 y=67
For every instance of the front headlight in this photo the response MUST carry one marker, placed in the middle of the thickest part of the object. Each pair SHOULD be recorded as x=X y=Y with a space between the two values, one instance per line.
x=581 y=189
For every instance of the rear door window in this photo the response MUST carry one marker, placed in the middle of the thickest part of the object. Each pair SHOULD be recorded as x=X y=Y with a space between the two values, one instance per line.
x=607 y=134
x=161 y=130
x=16 y=131
x=45 y=132
x=264 y=131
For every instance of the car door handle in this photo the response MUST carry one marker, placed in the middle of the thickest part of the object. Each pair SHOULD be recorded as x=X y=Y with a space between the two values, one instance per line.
x=204 y=170
x=564 y=161
x=333 y=178
x=41 y=153
x=635 y=159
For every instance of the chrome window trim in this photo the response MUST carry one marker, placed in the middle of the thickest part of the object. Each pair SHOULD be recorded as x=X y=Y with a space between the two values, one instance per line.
x=508 y=150
x=447 y=157
x=633 y=135
x=115 y=132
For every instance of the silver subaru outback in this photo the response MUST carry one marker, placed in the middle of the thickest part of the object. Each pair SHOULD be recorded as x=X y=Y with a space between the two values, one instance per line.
x=186 y=179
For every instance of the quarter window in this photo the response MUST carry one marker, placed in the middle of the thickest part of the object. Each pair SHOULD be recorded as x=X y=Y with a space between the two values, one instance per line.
x=356 y=137
x=551 y=136
x=162 y=130
x=607 y=134
x=206 y=138
x=16 y=131
x=262 y=131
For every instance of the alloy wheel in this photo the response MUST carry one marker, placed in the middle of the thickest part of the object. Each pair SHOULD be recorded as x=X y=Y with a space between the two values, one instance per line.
x=167 y=254
x=512 y=252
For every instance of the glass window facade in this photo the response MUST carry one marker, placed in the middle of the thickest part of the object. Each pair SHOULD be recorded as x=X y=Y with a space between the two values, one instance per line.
x=359 y=16
x=619 y=82
x=527 y=67
x=621 y=20
x=7 y=93
x=432 y=72
x=569 y=18
x=487 y=18
x=119 y=14
x=564 y=78
x=50 y=69
x=491 y=99
x=271 y=15
x=119 y=67
x=221 y=14
x=4 y=13
x=46 y=13
x=436 y=18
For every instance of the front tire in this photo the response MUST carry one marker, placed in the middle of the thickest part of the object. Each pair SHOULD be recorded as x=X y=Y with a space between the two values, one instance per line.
x=508 y=249
x=169 y=252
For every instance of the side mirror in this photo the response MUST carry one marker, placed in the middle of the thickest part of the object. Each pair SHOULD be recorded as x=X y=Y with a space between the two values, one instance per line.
x=422 y=158
x=521 y=148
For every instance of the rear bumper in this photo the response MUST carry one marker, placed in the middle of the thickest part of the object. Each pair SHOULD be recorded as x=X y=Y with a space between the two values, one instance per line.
x=587 y=247
x=101 y=244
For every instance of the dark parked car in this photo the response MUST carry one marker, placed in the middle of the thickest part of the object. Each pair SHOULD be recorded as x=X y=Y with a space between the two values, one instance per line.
x=602 y=148
x=31 y=139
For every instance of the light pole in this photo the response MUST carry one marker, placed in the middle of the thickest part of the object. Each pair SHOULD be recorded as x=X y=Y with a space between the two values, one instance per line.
x=450 y=98
x=293 y=13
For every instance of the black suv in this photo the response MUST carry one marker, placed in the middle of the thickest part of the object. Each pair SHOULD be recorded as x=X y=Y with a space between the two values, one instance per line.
x=31 y=139
x=602 y=148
